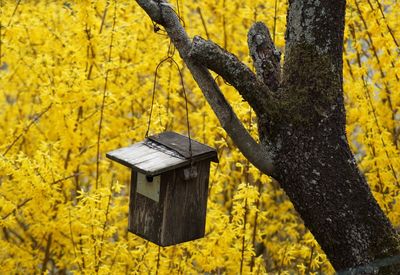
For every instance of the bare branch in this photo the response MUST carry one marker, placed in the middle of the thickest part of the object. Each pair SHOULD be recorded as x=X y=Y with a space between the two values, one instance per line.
x=255 y=153
x=47 y=253
x=233 y=71
x=16 y=208
x=265 y=56
x=26 y=129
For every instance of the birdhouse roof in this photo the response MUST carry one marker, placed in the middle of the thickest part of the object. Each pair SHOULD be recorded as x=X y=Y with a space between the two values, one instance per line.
x=161 y=153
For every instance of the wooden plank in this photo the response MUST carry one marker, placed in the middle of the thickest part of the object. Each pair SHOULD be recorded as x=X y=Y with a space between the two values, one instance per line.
x=137 y=155
x=122 y=155
x=154 y=161
x=145 y=214
x=151 y=155
x=185 y=205
x=180 y=214
x=162 y=164
x=132 y=151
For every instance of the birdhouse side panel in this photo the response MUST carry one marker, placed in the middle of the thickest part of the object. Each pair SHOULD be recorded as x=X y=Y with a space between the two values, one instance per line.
x=185 y=204
x=145 y=213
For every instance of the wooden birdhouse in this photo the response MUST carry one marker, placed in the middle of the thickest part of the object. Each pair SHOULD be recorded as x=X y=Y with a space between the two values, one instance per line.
x=169 y=187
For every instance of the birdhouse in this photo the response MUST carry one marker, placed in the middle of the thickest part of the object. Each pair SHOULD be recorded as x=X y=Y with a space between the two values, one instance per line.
x=169 y=187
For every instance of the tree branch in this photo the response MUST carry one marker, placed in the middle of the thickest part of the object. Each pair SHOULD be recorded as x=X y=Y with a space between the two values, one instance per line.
x=236 y=73
x=265 y=56
x=165 y=16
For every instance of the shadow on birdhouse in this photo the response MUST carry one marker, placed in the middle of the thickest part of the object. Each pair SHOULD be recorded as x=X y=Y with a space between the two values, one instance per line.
x=169 y=187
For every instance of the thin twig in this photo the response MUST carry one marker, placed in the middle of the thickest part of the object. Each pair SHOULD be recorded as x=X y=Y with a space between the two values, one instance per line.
x=224 y=26
x=203 y=22
x=308 y=270
x=14 y=12
x=27 y=129
x=90 y=53
x=72 y=239
x=47 y=253
x=158 y=260
x=275 y=19
x=104 y=229
x=244 y=236
x=103 y=18
x=16 y=208
x=369 y=100
x=104 y=96
x=258 y=205
x=81 y=250
x=66 y=178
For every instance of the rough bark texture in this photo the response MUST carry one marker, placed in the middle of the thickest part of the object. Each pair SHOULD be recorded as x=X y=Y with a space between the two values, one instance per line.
x=265 y=56
x=313 y=161
x=234 y=72
x=302 y=130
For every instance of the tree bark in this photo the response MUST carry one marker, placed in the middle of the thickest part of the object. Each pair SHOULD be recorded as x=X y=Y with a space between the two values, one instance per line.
x=313 y=160
x=302 y=129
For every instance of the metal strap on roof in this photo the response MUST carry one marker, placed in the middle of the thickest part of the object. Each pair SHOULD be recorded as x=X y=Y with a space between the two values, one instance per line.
x=180 y=144
x=160 y=147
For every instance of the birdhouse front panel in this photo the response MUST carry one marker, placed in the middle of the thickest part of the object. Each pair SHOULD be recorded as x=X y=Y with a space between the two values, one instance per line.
x=179 y=215
x=145 y=213
x=169 y=186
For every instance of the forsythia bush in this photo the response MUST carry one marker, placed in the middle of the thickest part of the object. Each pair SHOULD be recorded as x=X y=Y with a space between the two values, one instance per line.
x=76 y=81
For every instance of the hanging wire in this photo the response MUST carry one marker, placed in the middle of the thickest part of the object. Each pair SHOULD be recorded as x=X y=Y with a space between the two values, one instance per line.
x=170 y=54
x=171 y=50
x=153 y=93
x=172 y=60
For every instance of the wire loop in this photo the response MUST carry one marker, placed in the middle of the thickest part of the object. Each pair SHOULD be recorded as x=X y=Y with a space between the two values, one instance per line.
x=171 y=51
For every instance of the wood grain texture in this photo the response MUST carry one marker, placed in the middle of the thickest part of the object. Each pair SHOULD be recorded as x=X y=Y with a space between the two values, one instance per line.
x=185 y=205
x=146 y=160
x=161 y=153
x=180 y=214
x=145 y=214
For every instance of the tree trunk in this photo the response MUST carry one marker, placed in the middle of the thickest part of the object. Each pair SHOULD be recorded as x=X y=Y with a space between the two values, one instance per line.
x=301 y=121
x=312 y=158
